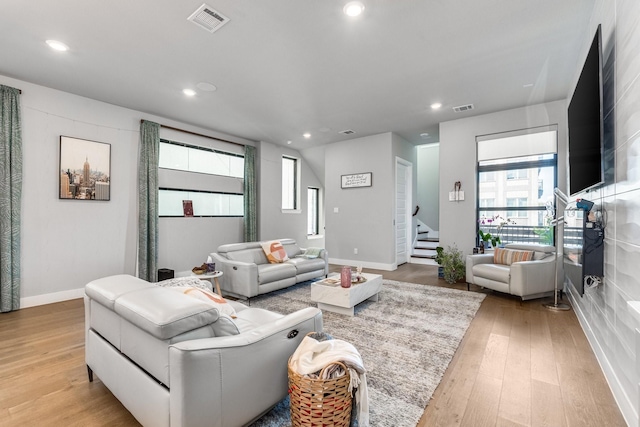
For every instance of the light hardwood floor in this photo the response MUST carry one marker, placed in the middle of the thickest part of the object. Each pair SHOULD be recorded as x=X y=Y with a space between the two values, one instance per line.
x=518 y=365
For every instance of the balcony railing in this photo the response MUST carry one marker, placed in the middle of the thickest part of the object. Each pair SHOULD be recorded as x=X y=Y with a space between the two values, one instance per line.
x=521 y=234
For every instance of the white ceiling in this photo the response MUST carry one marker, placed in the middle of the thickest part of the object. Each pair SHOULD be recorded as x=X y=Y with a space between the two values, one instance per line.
x=286 y=67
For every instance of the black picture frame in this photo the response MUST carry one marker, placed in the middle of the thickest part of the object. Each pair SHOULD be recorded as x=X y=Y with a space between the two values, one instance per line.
x=84 y=169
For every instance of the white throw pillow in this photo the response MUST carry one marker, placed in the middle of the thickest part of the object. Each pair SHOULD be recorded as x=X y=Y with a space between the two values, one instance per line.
x=274 y=251
x=183 y=282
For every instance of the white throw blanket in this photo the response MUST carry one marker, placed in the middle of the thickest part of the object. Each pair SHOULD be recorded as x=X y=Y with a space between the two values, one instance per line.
x=312 y=355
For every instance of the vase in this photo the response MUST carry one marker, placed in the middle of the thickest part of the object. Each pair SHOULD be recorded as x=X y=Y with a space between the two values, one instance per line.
x=345 y=277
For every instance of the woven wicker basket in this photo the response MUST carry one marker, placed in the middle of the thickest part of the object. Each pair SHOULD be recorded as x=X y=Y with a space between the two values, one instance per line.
x=320 y=403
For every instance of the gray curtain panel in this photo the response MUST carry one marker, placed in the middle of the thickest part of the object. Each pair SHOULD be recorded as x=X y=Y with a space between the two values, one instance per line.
x=250 y=210
x=148 y=201
x=10 y=197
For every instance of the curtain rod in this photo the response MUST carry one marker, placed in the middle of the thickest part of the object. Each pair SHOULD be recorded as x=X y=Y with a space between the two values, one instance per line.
x=11 y=87
x=199 y=134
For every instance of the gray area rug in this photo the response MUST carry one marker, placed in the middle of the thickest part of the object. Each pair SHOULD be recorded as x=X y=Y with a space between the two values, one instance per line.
x=406 y=340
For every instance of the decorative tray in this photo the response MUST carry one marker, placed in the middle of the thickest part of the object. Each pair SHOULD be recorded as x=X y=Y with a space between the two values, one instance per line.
x=335 y=281
x=358 y=280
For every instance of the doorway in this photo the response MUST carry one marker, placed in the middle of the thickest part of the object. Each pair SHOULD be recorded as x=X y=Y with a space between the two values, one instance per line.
x=402 y=220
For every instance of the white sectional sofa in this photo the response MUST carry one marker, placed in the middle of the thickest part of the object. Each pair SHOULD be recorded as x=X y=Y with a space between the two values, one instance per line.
x=248 y=273
x=176 y=361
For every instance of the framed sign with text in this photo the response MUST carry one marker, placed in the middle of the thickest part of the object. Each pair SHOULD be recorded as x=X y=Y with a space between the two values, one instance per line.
x=356 y=180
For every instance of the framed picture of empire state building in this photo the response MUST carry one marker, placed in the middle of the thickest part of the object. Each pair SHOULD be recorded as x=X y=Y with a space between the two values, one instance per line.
x=85 y=169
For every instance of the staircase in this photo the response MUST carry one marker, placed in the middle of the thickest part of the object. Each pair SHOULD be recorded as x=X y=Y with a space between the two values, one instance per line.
x=424 y=247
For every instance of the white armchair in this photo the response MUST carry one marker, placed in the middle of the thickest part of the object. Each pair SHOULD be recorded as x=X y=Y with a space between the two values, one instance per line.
x=526 y=279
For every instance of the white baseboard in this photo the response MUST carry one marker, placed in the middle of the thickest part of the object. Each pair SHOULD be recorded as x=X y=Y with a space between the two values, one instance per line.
x=363 y=264
x=621 y=398
x=51 y=298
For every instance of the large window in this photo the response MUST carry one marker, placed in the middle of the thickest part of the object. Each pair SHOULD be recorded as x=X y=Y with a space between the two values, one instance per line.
x=313 y=211
x=517 y=173
x=197 y=176
x=289 y=183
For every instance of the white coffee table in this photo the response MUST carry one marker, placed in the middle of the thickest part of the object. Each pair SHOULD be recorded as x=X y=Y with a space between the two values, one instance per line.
x=335 y=298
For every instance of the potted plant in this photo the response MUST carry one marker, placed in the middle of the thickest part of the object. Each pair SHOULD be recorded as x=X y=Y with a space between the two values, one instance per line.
x=439 y=258
x=452 y=263
x=496 y=221
x=488 y=237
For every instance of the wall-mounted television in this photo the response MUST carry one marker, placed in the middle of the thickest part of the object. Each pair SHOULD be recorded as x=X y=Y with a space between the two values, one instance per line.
x=586 y=129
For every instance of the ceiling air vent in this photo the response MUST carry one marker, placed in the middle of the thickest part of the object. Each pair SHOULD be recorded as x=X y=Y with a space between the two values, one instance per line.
x=462 y=108
x=347 y=132
x=208 y=18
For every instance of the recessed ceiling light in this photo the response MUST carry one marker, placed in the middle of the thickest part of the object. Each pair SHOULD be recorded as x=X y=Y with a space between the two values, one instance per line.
x=288 y=142
x=206 y=86
x=307 y=135
x=353 y=8
x=56 y=45
x=436 y=105
x=424 y=135
x=189 y=92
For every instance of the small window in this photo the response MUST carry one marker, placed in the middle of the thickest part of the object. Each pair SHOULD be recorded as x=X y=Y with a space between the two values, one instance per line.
x=178 y=156
x=204 y=204
x=516 y=202
x=289 y=183
x=487 y=203
x=313 y=211
x=487 y=177
x=517 y=174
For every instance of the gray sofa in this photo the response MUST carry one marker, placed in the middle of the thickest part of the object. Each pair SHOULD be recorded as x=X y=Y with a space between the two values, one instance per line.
x=248 y=273
x=526 y=279
x=176 y=361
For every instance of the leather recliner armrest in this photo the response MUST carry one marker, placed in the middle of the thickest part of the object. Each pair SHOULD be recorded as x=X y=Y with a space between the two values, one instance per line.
x=533 y=277
x=234 y=379
x=239 y=278
x=474 y=260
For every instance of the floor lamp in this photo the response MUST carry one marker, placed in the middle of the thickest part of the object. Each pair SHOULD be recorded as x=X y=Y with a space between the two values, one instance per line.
x=558 y=222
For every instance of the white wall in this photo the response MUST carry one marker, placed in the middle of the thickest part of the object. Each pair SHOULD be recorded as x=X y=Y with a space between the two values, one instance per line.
x=365 y=214
x=273 y=223
x=67 y=243
x=458 y=162
x=612 y=329
x=428 y=165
